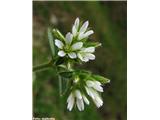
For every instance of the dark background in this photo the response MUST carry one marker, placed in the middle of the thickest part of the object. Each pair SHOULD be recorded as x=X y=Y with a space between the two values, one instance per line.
x=109 y=22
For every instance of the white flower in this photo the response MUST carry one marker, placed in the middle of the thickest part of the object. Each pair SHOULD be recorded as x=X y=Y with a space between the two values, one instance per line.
x=85 y=54
x=81 y=32
x=78 y=98
x=92 y=89
x=73 y=45
x=67 y=47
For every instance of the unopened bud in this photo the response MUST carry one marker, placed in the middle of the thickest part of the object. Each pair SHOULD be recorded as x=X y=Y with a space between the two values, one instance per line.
x=58 y=34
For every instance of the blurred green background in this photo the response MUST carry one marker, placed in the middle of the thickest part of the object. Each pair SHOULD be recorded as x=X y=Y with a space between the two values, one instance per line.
x=109 y=22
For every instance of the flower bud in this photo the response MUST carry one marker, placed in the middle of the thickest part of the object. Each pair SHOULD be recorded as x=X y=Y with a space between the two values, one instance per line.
x=58 y=34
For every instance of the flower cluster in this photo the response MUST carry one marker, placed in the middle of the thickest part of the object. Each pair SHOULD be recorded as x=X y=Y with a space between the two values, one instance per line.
x=78 y=96
x=83 y=85
x=73 y=44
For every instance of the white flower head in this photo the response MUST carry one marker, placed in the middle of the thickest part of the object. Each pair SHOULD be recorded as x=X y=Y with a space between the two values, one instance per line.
x=79 y=97
x=73 y=45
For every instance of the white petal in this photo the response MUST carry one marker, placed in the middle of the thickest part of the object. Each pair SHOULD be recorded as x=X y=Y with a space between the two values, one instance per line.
x=84 y=35
x=70 y=96
x=97 y=97
x=72 y=55
x=89 y=92
x=59 y=43
x=70 y=105
x=61 y=53
x=98 y=87
x=90 y=56
x=81 y=36
x=76 y=23
x=69 y=38
x=84 y=27
x=97 y=82
x=85 y=100
x=98 y=101
x=78 y=94
x=74 y=31
x=90 y=83
x=85 y=59
x=80 y=104
x=89 y=49
x=88 y=33
x=70 y=101
x=81 y=57
x=77 y=46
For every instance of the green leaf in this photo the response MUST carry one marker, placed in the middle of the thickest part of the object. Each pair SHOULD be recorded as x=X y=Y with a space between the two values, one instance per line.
x=51 y=43
x=101 y=79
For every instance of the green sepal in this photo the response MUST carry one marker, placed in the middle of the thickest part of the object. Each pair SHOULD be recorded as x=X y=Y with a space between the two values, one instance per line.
x=101 y=79
x=92 y=44
x=87 y=75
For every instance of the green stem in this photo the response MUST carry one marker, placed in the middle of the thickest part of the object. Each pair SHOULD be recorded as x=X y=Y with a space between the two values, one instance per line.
x=59 y=82
x=60 y=85
x=42 y=66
